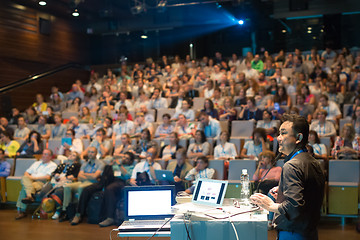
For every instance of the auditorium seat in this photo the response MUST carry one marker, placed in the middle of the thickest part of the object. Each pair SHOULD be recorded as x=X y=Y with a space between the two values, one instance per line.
x=13 y=183
x=343 y=191
x=236 y=166
x=242 y=128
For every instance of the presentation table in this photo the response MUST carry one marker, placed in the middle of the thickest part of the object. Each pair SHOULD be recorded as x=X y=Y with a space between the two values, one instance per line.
x=201 y=225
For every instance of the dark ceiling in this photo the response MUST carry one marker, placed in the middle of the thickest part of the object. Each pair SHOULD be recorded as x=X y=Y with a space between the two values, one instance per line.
x=121 y=16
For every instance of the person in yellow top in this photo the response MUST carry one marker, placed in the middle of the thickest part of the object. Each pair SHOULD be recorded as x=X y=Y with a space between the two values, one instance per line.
x=40 y=105
x=9 y=146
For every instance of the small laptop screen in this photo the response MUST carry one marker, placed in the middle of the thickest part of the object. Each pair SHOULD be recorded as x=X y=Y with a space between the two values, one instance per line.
x=210 y=192
x=149 y=202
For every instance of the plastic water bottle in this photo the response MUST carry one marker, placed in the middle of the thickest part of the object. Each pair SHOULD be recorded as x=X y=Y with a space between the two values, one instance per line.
x=245 y=187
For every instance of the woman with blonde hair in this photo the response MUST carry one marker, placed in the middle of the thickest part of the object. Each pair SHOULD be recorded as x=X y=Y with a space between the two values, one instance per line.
x=346 y=146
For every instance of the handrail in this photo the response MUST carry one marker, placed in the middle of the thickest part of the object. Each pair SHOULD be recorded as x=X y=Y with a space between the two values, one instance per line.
x=37 y=76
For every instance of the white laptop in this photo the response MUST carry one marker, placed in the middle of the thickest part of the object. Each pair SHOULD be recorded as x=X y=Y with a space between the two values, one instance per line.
x=208 y=194
x=147 y=208
x=164 y=175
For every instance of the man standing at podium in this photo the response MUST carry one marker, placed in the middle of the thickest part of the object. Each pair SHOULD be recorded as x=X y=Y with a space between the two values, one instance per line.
x=300 y=192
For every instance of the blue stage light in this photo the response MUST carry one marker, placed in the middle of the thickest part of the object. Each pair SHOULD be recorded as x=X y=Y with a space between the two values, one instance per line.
x=241 y=22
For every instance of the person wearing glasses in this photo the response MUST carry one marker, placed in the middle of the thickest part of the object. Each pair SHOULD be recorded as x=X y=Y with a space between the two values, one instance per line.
x=144 y=171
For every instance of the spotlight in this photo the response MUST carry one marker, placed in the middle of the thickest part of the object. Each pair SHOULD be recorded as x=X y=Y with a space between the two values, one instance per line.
x=76 y=13
x=144 y=36
x=284 y=31
x=42 y=3
x=241 y=22
x=191 y=45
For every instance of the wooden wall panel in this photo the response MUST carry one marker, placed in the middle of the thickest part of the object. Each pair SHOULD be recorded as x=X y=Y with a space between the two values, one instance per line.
x=25 y=51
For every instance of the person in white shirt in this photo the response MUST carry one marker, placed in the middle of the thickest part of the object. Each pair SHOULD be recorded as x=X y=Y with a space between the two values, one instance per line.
x=123 y=101
x=332 y=109
x=323 y=127
x=319 y=149
x=200 y=170
x=33 y=180
x=148 y=166
x=123 y=126
x=185 y=110
x=141 y=99
x=156 y=101
x=250 y=72
x=225 y=150
x=76 y=144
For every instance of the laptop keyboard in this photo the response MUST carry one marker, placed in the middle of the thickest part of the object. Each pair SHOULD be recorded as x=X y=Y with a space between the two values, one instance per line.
x=143 y=222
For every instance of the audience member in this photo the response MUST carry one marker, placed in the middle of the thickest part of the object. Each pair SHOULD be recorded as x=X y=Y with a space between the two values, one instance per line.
x=225 y=150
x=347 y=145
x=164 y=129
x=209 y=125
x=319 y=149
x=168 y=152
x=5 y=166
x=200 y=170
x=31 y=146
x=33 y=180
x=8 y=145
x=253 y=148
x=144 y=171
x=323 y=127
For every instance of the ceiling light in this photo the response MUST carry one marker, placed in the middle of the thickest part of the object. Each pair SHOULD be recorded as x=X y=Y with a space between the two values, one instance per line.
x=309 y=31
x=76 y=13
x=241 y=22
x=284 y=31
x=144 y=36
x=42 y=3
x=309 y=28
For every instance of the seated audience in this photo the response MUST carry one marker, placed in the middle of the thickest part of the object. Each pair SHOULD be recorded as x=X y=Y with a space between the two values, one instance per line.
x=210 y=126
x=209 y=109
x=8 y=145
x=122 y=172
x=144 y=144
x=90 y=173
x=250 y=111
x=225 y=150
x=22 y=131
x=156 y=101
x=144 y=171
x=185 y=110
x=319 y=149
x=180 y=169
x=40 y=106
x=33 y=180
x=81 y=130
x=124 y=147
x=30 y=115
x=168 y=152
x=164 y=129
x=227 y=111
x=76 y=144
x=254 y=147
x=323 y=127
x=184 y=128
x=200 y=147
x=59 y=130
x=332 y=109
x=122 y=127
x=43 y=128
x=267 y=175
x=200 y=170
x=140 y=124
x=102 y=144
x=66 y=172
x=347 y=145
x=31 y=146
x=5 y=166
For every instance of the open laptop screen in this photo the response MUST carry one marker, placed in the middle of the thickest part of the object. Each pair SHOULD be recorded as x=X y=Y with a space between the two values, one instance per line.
x=210 y=192
x=149 y=202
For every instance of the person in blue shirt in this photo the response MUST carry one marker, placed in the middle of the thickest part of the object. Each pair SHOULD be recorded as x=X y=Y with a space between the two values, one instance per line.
x=4 y=165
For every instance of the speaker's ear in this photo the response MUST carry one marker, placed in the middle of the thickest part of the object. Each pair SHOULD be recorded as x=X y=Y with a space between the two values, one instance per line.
x=299 y=138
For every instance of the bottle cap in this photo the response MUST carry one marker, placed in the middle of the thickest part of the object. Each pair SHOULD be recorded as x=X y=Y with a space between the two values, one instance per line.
x=244 y=171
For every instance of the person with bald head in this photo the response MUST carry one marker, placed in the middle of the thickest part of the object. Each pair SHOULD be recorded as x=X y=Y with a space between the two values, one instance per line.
x=4 y=126
x=81 y=130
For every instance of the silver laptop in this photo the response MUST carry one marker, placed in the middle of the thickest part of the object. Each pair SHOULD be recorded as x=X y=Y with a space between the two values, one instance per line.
x=208 y=194
x=164 y=175
x=148 y=208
